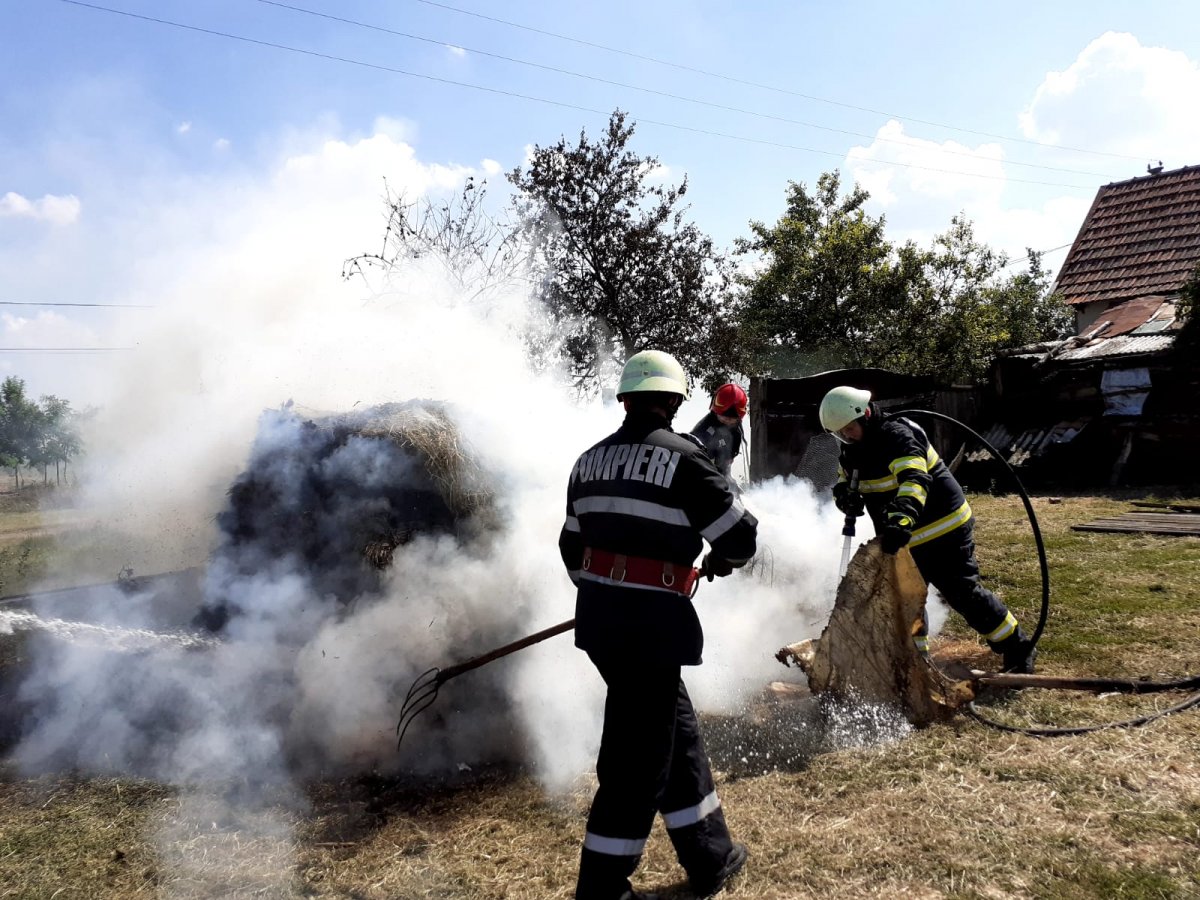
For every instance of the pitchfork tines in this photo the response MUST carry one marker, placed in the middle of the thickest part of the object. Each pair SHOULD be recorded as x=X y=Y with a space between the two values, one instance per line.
x=419 y=697
x=425 y=689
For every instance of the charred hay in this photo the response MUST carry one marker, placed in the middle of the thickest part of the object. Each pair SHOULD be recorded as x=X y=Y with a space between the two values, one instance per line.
x=332 y=496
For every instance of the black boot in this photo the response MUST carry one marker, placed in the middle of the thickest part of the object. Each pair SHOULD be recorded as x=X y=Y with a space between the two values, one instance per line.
x=733 y=864
x=1017 y=653
x=638 y=895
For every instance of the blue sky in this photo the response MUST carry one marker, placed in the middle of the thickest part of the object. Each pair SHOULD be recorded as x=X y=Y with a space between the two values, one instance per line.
x=135 y=153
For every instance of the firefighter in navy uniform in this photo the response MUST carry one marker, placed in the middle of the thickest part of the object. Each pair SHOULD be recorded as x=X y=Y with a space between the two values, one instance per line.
x=914 y=501
x=639 y=505
x=721 y=430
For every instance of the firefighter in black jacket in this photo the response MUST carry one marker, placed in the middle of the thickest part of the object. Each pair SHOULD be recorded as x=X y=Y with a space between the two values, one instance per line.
x=639 y=505
x=914 y=501
x=721 y=430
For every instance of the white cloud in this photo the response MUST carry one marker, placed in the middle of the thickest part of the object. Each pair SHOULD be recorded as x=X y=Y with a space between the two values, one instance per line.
x=221 y=145
x=658 y=173
x=920 y=197
x=50 y=208
x=947 y=169
x=456 y=52
x=183 y=127
x=45 y=329
x=491 y=167
x=402 y=131
x=1120 y=96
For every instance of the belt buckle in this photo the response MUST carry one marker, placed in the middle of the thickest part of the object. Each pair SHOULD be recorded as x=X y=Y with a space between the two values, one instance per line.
x=619 y=560
x=668 y=575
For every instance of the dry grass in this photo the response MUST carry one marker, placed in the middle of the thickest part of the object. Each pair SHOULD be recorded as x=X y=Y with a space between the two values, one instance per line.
x=953 y=811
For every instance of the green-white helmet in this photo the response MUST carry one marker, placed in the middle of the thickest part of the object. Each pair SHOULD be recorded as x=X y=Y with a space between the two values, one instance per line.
x=842 y=406
x=653 y=370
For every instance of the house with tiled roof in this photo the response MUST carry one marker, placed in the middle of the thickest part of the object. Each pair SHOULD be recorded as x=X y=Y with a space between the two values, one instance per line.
x=1139 y=243
x=1114 y=402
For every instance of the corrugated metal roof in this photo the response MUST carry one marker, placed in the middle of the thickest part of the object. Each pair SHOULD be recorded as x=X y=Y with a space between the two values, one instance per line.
x=1019 y=447
x=1140 y=237
x=1134 y=314
x=1124 y=345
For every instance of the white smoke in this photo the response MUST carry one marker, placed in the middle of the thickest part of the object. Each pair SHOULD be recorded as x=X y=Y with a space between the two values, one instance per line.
x=255 y=315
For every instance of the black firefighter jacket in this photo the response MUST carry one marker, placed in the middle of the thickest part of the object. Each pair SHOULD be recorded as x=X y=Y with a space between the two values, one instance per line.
x=646 y=491
x=723 y=442
x=898 y=468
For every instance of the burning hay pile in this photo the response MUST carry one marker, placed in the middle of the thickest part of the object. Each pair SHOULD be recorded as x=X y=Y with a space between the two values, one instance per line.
x=331 y=497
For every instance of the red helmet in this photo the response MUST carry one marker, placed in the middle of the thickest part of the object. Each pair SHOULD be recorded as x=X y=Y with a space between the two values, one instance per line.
x=730 y=400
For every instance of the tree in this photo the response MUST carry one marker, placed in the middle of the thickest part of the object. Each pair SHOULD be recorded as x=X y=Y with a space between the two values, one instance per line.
x=34 y=434
x=613 y=263
x=20 y=424
x=834 y=292
x=1188 y=338
x=476 y=251
x=970 y=310
x=59 y=440
x=828 y=285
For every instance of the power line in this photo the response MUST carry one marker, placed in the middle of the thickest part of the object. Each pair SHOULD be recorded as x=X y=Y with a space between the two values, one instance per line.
x=1022 y=258
x=770 y=87
x=633 y=87
x=66 y=349
x=572 y=106
x=92 y=305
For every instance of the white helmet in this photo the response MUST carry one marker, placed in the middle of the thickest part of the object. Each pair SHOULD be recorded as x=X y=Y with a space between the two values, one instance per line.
x=843 y=405
x=653 y=370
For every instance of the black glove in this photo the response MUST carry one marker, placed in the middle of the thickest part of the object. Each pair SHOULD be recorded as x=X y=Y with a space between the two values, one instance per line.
x=715 y=567
x=847 y=500
x=897 y=532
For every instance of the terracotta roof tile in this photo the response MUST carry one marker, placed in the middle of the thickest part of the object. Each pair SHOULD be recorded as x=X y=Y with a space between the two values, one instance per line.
x=1140 y=237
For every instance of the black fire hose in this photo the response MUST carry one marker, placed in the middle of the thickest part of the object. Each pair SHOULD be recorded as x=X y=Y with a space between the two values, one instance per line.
x=1186 y=683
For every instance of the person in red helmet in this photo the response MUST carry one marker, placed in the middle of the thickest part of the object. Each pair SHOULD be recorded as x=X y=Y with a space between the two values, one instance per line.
x=720 y=432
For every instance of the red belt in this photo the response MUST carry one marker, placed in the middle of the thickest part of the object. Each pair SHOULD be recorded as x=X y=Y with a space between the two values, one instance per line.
x=639 y=570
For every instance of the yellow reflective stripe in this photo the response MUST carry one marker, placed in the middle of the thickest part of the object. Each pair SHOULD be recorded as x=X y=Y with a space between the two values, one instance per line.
x=842 y=474
x=912 y=489
x=877 y=485
x=901 y=463
x=1003 y=630
x=921 y=642
x=931 y=457
x=941 y=526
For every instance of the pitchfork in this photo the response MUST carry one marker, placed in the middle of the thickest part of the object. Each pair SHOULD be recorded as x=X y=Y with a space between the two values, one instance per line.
x=425 y=689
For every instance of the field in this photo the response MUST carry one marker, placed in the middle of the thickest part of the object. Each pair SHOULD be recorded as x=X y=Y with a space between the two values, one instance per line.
x=956 y=810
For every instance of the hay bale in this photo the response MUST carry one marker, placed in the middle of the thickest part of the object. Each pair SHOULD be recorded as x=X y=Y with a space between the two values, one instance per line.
x=334 y=495
x=866 y=652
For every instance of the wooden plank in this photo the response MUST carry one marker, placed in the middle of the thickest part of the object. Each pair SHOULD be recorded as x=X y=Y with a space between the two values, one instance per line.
x=1151 y=518
x=1136 y=528
x=1177 y=507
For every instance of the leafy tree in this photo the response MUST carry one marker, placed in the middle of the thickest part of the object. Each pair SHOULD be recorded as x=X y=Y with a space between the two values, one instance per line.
x=34 y=434
x=1188 y=338
x=59 y=440
x=833 y=291
x=971 y=310
x=829 y=282
x=20 y=426
x=613 y=263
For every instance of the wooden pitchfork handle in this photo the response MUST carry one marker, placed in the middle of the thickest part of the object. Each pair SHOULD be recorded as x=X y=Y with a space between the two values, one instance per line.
x=446 y=674
x=425 y=689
